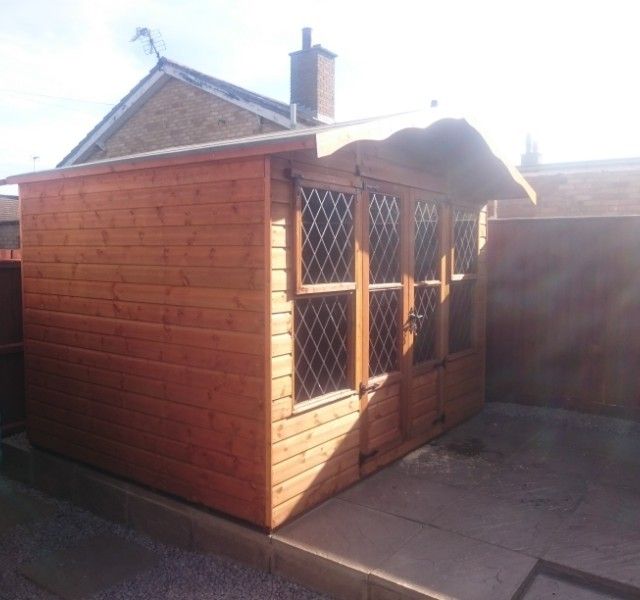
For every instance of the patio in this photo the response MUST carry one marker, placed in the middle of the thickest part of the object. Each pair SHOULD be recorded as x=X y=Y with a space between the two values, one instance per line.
x=518 y=502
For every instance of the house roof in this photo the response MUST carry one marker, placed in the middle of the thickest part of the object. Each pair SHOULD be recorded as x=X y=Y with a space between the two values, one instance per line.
x=8 y=209
x=584 y=166
x=474 y=168
x=272 y=110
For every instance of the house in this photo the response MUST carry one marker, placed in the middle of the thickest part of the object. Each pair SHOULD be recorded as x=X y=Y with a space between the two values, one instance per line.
x=9 y=222
x=178 y=106
x=255 y=324
x=592 y=188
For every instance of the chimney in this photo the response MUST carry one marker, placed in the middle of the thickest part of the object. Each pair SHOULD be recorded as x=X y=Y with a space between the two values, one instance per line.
x=313 y=80
x=531 y=157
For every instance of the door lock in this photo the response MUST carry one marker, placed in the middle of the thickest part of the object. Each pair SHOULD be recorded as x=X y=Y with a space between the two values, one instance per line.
x=414 y=322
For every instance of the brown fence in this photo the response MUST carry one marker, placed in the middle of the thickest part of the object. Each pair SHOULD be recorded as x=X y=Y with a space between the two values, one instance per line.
x=11 y=357
x=564 y=313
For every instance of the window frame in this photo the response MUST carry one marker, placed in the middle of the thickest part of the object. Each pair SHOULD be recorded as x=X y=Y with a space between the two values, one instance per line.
x=309 y=291
x=320 y=288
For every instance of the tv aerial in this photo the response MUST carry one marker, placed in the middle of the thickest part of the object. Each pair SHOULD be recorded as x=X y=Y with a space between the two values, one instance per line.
x=152 y=42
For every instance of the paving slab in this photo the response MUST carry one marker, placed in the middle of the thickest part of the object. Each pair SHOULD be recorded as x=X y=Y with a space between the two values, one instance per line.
x=516 y=526
x=535 y=486
x=89 y=566
x=354 y=535
x=19 y=508
x=598 y=546
x=444 y=565
x=549 y=587
x=612 y=502
x=438 y=463
x=394 y=492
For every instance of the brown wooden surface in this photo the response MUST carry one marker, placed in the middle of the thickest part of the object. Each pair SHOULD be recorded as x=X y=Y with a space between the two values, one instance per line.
x=145 y=327
x=564 y=313
x=12 y=406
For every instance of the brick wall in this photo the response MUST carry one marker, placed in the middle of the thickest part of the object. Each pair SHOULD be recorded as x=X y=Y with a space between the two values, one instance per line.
x=177 y=115
x=594 y=191
x=10 y=234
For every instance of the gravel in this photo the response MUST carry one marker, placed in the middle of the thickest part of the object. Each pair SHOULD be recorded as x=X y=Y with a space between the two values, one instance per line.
x=178 y=575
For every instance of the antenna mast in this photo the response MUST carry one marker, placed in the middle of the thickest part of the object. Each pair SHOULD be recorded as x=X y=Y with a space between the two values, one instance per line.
x=152 y=42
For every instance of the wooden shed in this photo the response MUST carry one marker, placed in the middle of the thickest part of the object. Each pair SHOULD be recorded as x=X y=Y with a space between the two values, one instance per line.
x=255 y=324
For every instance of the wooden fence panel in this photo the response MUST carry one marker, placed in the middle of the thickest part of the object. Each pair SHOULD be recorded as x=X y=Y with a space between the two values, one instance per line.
x=11 y=359
x=564 y=313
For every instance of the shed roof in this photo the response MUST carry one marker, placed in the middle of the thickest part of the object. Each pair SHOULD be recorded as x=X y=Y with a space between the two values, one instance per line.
x=436 y=139
x=8 y=209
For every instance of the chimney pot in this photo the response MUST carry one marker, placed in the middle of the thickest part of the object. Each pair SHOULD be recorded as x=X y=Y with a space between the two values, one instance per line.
x=313 y=80
x=306 y=38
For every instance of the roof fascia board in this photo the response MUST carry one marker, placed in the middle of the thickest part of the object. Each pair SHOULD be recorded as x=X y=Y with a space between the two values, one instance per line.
x=253 y=107
x=116 y=119
x=162 y=159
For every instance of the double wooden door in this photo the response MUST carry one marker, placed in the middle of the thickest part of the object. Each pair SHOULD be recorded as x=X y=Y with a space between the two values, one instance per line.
x=405 y=243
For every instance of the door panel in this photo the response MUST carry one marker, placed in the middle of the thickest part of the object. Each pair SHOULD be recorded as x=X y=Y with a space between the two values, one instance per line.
x=383 y=310
x=427 y=349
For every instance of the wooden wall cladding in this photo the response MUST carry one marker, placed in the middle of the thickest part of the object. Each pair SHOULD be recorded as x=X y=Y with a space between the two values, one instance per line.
x=144 y=327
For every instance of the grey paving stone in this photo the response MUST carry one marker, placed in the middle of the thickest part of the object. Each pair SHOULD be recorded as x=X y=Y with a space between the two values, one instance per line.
x=394 y=492
x=548 y=587
x=535 y=486
x=612 y=502
x=437 y=463
x=104 y=496
x=599 y=546
x=218 y=535
x=441 y=564
x=19 y=508
x=560 y=458
x=53 y=475
x=515 y=526
x=89 y=566
x=319 y=573
x=355 y=535
x=15 y=459
x=622 y=473
x=161 y=518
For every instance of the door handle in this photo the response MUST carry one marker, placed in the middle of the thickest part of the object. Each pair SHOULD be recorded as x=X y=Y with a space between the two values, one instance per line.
x=414 y=322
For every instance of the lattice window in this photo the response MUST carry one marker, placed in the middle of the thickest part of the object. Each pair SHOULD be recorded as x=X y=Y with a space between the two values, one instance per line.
x=465 y=239
x=426 y=242
x=426 y=304
x=321 y=345
x=327 y=236
x=461 y=315
x=384 y=239
x=383 y=331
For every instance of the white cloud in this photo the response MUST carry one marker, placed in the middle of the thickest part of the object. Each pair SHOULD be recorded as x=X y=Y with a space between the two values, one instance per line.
x=565 y=71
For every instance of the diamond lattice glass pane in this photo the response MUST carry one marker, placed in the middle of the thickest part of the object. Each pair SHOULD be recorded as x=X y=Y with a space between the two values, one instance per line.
x=384 y=239
x=327 y=236
x=383 y=331
x=424 y=342
x=461 y=315
x=426 y=241
x=465 y=239
x=321 y=330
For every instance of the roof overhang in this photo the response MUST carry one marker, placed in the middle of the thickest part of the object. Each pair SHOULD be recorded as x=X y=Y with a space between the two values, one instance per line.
x=472 y=167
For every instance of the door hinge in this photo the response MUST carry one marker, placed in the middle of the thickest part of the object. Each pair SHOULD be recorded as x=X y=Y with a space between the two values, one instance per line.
x=440 y=420
x=365 y=456
x=365 y=389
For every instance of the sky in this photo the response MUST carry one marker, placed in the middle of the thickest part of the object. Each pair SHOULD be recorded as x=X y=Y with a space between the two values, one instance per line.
x=564 y=71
